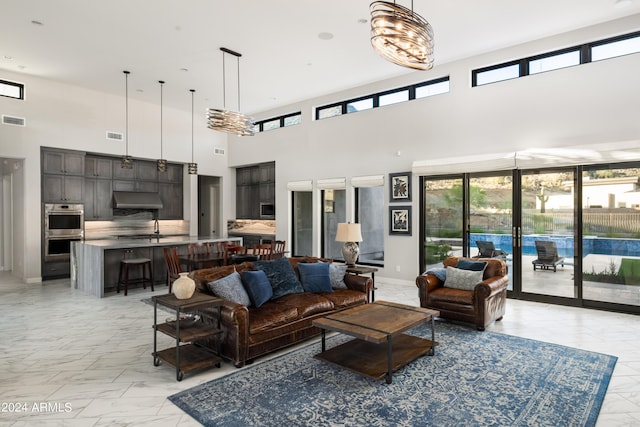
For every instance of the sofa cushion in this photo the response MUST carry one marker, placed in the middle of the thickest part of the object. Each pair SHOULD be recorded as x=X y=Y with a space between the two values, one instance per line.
x=315 y=277
x=462 y=279
x=306 y=303
x=271 y=315
x=281 y=276
x=342 y=298
x=257 y=286
x=231 y=289
x=465 y=264
x=450 y=295
x=336 y=274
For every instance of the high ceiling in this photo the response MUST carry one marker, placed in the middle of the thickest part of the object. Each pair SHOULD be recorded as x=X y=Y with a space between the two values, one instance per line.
x=291 y=49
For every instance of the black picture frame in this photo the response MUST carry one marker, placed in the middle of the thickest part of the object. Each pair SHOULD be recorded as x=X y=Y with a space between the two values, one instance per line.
x=400 y=220
x=400 y=187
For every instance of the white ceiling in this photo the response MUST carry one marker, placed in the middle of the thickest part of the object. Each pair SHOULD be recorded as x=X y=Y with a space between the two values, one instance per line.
x=90 y=42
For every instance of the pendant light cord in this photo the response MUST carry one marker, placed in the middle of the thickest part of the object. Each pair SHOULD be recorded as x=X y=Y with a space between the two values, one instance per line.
x=126 y=112
x=192 y=92
x=224 y=84
x=161 y=85
x=239 y=109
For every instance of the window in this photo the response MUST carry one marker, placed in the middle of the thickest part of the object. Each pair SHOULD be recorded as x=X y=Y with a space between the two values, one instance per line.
x=496 y=74
x=582 y=54
x=278 y=122
x=380 y=99
x=272 y=124
x=11 y=89
x=302 y=223
x=554 y=62
x=370 y=216
x=615 y=48
x=326 y=112
x=363 y=104
x=394 y=97
x=432 y=89
x=333 y=212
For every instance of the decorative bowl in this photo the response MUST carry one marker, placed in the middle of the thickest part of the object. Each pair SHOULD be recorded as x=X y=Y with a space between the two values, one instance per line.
x=186 y=320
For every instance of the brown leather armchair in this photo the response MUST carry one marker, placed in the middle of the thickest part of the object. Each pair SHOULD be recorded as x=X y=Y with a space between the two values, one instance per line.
x=480 y=306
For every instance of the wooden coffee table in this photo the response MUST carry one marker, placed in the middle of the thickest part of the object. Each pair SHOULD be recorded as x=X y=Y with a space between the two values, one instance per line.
x=379 y=347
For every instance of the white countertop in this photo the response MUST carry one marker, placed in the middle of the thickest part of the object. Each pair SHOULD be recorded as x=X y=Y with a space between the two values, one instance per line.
x=143 y=243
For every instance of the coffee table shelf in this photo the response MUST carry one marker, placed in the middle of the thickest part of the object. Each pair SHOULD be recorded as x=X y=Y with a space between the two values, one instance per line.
x=379 y=347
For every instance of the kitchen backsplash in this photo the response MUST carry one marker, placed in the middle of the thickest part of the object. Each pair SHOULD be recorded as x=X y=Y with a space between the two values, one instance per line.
x=252 y=226
x=131 y=227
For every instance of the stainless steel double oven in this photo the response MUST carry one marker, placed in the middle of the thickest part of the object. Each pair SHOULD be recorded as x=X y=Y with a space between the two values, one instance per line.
x=63 y=224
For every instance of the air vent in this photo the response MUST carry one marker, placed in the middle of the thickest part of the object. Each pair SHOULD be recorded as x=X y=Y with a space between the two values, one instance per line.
x=218 y=151
x=115 y=136
x=13 y=121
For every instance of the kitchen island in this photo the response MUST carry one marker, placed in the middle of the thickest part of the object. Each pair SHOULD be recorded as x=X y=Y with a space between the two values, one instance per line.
x=95 y=264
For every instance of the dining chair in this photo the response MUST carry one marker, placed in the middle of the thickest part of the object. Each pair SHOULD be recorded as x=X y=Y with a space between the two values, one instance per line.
x=173 y=265
x=278 y=248
x=232 y=250
x=263 y=251
x=198 y=248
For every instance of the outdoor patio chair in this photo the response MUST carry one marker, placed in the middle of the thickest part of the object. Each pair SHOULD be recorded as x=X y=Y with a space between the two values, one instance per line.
x=547 y=256
x=486 y=249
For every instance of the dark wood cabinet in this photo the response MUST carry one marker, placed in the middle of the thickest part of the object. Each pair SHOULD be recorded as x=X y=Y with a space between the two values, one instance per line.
x=171 y=196
x=98 y=199
x=98 y=167
x=173 y=173
x=62 y=188
x=133 y=185
x=255 y=185
x=62 y=162
x=145 y=170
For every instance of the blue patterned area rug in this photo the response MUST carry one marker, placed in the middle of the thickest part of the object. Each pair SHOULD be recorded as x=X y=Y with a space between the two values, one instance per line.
x=474 y=379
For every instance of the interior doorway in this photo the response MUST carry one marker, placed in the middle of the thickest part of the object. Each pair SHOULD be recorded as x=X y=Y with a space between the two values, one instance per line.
x=209 y=206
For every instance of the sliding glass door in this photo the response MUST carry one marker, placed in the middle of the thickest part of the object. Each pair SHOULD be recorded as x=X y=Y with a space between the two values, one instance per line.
x=442 y=220
x=548 y=232
x=611 y=234
x=491 y=217
x=302 y=220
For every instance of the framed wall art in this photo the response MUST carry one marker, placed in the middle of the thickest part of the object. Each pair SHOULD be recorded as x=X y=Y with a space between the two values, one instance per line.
x=400 y=185
x=400 y=220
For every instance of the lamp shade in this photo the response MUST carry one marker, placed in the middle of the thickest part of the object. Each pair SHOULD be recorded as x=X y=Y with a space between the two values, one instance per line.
x=348 y=232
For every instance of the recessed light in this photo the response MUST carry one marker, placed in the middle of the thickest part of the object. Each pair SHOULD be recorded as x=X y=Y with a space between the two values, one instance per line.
x=363 y=21
x=184 y=69
x=21 y=67
x=34 y=22
x=8 y=58
x=325 y=36
x=140 y=90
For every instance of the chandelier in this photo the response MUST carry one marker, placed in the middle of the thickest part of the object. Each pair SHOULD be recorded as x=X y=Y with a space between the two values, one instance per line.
x=401 y=36
x=225 y=120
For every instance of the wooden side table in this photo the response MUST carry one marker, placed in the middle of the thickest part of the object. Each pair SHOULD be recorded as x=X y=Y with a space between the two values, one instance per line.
x=186 y=355
x=360 y=269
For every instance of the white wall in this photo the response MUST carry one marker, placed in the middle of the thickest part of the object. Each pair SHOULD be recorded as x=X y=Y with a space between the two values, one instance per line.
x=597 y=102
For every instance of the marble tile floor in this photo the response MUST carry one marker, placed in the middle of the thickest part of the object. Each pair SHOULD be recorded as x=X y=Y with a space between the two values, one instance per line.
x=69 y=359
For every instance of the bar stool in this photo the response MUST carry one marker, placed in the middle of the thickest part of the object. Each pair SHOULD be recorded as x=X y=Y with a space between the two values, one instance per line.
x=125 y=264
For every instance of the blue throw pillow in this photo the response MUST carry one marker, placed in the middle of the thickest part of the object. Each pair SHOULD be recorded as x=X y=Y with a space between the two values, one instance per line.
x=257 y=286
x=281 y=275
x=440 y=273
x=230 y=288
x=315 y=277
x=465 y=264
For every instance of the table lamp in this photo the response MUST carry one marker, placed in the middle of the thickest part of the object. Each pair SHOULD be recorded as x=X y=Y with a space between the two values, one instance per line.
x=350 y=234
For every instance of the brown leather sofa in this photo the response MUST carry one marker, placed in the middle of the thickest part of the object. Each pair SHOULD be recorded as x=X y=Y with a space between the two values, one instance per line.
x=249 y=332
x=480 y=306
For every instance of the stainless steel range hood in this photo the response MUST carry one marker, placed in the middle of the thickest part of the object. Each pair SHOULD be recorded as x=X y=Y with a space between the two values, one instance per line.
x=136 y=200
